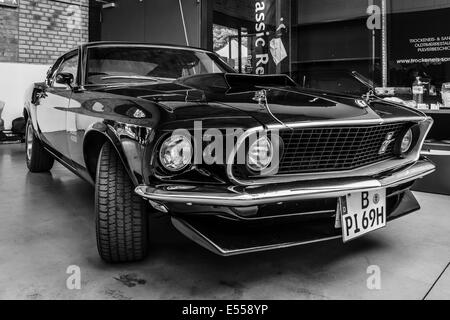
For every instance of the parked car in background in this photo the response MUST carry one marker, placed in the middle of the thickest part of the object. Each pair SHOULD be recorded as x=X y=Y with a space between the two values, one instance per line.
x=131 y=118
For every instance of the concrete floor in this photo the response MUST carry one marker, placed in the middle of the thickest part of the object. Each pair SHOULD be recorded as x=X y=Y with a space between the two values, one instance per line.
x=47 y=224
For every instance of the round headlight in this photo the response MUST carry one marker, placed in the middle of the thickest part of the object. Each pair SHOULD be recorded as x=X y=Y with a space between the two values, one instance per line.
x=176 y=153
x=260 y=154
x=406 y=141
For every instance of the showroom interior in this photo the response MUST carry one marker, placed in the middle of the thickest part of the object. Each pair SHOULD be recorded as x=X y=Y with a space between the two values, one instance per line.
x=396 y=49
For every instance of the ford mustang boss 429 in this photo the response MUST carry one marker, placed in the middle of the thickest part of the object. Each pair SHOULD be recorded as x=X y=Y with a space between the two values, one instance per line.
x=240 y=163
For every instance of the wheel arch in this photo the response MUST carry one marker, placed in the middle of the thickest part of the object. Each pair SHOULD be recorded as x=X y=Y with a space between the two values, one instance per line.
x=29 y=111
x=93 y=142
x=94 y=139
x=25 y=113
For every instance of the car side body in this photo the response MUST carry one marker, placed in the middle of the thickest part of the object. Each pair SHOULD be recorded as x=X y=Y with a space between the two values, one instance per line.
x=221 y=206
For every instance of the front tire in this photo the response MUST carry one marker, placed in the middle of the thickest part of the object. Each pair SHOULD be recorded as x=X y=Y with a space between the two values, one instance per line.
x=38 y=159
x=121 y=215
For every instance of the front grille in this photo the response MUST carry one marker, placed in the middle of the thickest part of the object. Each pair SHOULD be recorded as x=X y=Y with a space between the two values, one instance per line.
x=328 y=149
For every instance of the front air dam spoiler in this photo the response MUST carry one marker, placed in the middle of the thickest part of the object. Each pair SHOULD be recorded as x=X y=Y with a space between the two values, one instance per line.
x=229 y=238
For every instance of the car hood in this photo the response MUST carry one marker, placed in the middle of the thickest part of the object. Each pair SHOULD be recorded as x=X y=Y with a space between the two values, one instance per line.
x=268 y=100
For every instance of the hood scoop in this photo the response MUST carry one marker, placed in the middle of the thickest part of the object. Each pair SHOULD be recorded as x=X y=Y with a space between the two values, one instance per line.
x=237 y=85
x=241 y=83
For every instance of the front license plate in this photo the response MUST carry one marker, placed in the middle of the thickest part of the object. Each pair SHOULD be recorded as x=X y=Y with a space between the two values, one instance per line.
x=362 y=212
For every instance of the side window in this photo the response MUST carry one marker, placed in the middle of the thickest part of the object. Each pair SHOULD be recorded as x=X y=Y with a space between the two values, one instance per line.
x=69 y=65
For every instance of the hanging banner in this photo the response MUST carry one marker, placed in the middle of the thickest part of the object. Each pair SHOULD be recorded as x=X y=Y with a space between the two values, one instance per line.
x=264 y=19
x=9 y=3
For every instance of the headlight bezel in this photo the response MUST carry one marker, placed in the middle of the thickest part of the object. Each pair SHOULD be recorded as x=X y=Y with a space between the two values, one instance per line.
x=406 y=142
x=415 y=134
x=250 y=162
x=161 y=151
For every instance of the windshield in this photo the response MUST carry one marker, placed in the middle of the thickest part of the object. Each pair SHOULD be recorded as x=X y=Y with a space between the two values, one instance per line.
x=112 y=65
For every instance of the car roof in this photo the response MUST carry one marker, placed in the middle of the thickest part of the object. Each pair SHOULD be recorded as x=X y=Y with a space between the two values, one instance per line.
x=140 y=44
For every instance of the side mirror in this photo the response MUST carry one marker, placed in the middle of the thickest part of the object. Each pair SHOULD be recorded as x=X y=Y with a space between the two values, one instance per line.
x=64 y=78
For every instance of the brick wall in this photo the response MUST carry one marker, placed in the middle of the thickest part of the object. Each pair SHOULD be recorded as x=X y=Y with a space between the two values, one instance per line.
x=9 y=37
x=49 y=28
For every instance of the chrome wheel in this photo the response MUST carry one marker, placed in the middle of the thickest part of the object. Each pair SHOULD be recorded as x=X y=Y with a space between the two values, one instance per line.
x=38 y=159
x=29 y=140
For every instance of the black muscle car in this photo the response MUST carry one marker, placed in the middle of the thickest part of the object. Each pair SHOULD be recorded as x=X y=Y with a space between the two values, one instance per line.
x=240 y=163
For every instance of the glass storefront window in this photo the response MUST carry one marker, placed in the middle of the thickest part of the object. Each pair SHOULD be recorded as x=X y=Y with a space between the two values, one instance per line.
x=313 y=41
x=261 y=41
x=333 y=46
x=419 y=51
x=400 y=49
x=226 y=44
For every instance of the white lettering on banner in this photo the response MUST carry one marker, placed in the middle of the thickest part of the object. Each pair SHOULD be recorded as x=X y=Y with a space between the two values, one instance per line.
x=260 y=42
x=262 y=59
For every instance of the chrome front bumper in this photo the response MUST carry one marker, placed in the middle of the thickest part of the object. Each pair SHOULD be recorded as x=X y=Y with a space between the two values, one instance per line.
x=304 y=190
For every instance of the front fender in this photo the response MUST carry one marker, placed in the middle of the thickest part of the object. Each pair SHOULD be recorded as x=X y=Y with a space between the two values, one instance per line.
x=29 y=108
x=129 y=141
